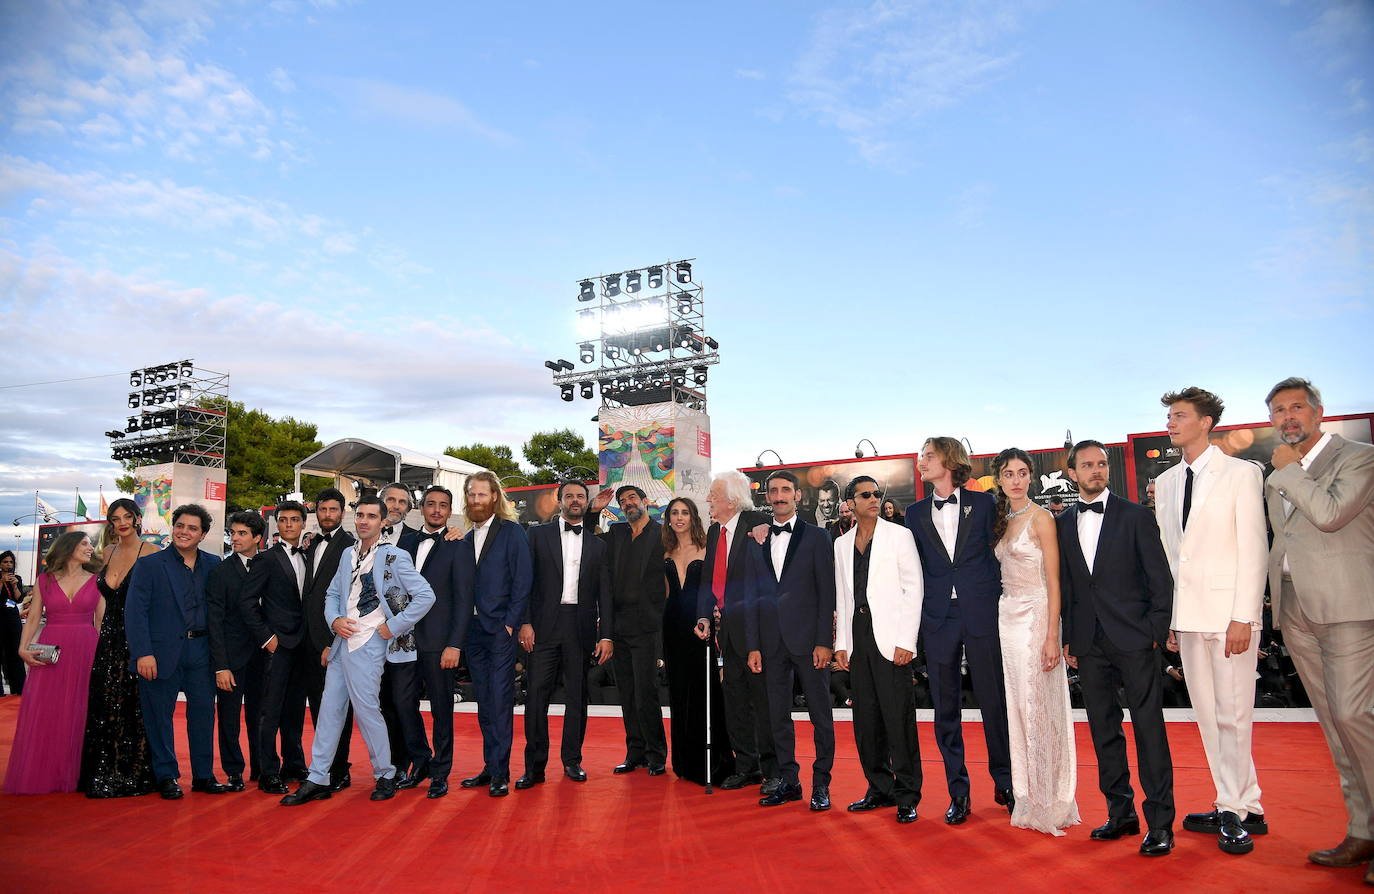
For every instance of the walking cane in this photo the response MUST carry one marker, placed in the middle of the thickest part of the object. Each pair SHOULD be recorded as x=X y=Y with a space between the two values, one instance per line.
x=710 y=641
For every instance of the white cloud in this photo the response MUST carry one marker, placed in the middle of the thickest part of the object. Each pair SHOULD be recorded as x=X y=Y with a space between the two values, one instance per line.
x=281 y=80
x=416 y=107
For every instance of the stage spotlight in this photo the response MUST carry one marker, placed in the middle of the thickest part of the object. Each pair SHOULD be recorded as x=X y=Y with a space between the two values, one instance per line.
x=659 y=343
x=712 y=343
x=136 y=379
x=613 y=352
x=587 y=353
x=554 y=365
x=146 y=422
x=185 y=392
x=186 y=369
x=612 y=285
x=587 y=390
x=636 y=350
x=684 y=303
x=133 y=400
x=133 y=424
x=699 y=375
x=682 y=336
x=632 y=282
x=567 y=392
x=684 y=272
x=679 y=378
x=588 y=291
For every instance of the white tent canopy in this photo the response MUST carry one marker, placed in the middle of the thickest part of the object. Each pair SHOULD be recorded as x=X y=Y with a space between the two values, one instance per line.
x=364 y=465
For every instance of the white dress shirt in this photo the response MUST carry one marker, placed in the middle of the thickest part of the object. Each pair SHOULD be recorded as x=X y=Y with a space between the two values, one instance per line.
x=479 y=536
x=298 y=564
x=245 y=559
x=426 y=545
x=947 y=526
x=1090 y=529
x=396 y=531
x=1202 y=482
x=572 y=560
x=777 y=544
x=1306 y=462
x=367 y=624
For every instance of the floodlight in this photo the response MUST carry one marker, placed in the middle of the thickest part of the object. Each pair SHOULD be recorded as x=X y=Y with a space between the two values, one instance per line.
x=588 y=291
x=632 y=282
x=655 y=277
x=684 y=272
x=612 y=285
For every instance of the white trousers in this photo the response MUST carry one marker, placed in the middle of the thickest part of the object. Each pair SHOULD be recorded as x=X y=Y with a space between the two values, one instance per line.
x=1222 y=691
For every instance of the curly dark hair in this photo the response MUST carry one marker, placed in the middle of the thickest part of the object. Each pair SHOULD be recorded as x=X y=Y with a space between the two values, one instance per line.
x=999 y=518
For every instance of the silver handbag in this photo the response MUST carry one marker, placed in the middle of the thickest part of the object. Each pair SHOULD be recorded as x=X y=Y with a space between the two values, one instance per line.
x=45 y=653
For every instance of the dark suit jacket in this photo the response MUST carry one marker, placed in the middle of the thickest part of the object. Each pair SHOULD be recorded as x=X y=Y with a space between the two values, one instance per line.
x=594 y=610
x=158 y=610
x=1130 y=591
x=735 y=598
x=635 y=615
x=231 y=642
x=319 y=571
x=445 y=625
x=500 y=580
x=271 y=601
x=973 y=570
x=796 y=609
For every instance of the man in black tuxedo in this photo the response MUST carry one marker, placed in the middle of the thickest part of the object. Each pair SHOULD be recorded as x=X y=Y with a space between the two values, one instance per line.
x=639 y=589
x=396 y=497
x=236 y=659
x=323 y=561
x=722 y=597
x=1118 y=601
x=439 y=638
x=789 y=628
x=567 y=622
x=271 y=607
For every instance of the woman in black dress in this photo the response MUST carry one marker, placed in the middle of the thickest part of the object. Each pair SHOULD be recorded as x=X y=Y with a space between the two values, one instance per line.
x=689 y=661
x=11 y=626
x=114 y=757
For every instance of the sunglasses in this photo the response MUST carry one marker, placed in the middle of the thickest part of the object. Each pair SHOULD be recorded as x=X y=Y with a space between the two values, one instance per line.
x=865 y=494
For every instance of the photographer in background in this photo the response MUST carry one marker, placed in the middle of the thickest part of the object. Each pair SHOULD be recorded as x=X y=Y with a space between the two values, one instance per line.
x=11 y=595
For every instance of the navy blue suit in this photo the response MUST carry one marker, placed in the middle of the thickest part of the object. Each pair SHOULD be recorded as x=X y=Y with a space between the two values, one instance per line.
x=965 y=626
x=166 y=615
x=789 y=615
x=499 y=581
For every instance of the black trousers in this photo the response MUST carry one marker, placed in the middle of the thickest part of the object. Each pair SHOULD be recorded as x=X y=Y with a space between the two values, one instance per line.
x=246 y=699
x=314 y=696
x=438 y=683
x=283 y=709
x=945 y=647
x=635 y=659
x=747 y=717
x=404 y=726
x=884 y=718
x=781 y=669
x=10 y=663
x=1098 y=673
x=557 y=650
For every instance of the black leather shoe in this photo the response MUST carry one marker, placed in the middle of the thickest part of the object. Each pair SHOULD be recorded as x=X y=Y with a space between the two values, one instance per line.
x=168 y=789
x=628 y=767
x=906 y=814
x=657 y=769
x=1231 y=835
x=437 y=788
x=295 y=774
x=770 y=785
x=958 y=811
x=1006 y=798
x=273 y=785
x=386 y=789
x=211 y=786
x=782 y=795
x=500 y=787
x=871 y=801
x=343 y=782
x=575 y=772
x=1210 y=823
x=529 y=780
x=1157 y=843
x=1254 y=824
x=820 y=798
x=234 y=783
x=481 y=779
x=1115 y=827
x=407 y=780
x=308 y=791
x=740 y=780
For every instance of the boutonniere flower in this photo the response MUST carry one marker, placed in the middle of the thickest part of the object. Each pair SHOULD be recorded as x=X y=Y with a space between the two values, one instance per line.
x=967 y=510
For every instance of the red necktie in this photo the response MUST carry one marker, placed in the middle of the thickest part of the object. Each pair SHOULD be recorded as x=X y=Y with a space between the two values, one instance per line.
x=718 y=573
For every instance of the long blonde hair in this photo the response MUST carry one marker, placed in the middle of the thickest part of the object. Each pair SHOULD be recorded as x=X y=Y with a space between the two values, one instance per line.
x=504 y=507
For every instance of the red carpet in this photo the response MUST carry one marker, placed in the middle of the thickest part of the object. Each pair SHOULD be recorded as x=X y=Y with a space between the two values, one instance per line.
x=659 y=834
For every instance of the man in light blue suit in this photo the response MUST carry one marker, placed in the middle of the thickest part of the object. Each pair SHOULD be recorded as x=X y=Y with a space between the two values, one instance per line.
x=374 y=601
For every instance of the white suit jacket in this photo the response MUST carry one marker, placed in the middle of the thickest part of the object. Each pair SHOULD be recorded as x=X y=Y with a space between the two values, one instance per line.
x=1219 y=562
x=895 y=589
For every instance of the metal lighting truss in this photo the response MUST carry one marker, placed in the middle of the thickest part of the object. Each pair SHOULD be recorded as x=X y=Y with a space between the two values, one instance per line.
x=181 y=416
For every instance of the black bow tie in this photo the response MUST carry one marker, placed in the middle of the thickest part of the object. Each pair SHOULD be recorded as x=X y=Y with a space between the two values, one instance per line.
x=386 y=530
x=952 y=501
x=576 y=529
x=781 y=529
x=296 y=550
x=1091 y=507
x=325 y=537
x=428 y=535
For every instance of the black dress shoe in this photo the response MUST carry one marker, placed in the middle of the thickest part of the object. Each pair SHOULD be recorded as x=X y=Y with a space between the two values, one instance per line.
x=211 y=786
x=481 y=779
x=295 y=774
x=958 y=811
x=782 y=795
x=273 y=785
x=906 y=814
x=770 y=785
x=1231 y=835
x=529 y=780
x=341 y=783
x=1254 y=824
x=1157 y=843
x=168 y=789
x=499 y=787
x=575 y=772
x=871 y=801
x=740 y=780
x=437 y=788
x=820 y=798
x=234 y=783
x=1115 y=827
x=628 y=767
x=386 y=788
x=406 y=780
x=1205 y=823
x=1006 y=798
x=308 y=791
x=657 y=769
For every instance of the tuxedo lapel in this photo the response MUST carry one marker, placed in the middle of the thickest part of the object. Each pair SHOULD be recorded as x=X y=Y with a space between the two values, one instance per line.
x=284 y=559
x=1111 y=524
x=1075 y=546
x=792 y=543
x=735 y=558
x=1328 y=457
x=557 y=546
x=492 y=534
x=965 y=525
x=928 y=525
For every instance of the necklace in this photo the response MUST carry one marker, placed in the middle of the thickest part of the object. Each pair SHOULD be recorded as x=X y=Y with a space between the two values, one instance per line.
x=1022 y=511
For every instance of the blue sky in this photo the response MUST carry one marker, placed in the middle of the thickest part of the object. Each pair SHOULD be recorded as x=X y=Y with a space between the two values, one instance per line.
x=909 y=217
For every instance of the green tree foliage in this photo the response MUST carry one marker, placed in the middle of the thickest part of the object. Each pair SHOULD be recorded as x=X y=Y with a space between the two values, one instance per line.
x=496 y=457
x=262 y=457
x=559 y=454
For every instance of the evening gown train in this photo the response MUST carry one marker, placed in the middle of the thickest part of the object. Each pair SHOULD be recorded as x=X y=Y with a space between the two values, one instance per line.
x=685 y=658
x=1039 y=718
x=46 y=753
x=115 y=762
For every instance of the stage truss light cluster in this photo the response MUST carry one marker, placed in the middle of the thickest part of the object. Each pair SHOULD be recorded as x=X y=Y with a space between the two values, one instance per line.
x=181 y=416
x=641 y=338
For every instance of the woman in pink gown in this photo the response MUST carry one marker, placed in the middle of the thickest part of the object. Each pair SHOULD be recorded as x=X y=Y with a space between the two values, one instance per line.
x=46 y=753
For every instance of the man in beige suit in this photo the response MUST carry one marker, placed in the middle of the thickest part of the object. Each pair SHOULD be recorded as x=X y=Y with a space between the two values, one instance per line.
x=1210 y=509
x=1321 y=581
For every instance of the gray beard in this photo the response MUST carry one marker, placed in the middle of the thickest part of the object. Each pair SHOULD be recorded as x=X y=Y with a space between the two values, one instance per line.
x=634 y=514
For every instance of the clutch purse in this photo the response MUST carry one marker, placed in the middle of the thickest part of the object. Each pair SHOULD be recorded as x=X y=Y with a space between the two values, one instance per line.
x=45 y=653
